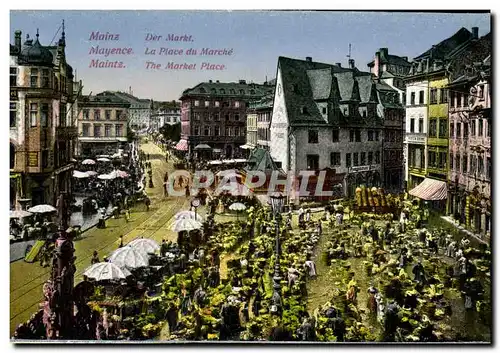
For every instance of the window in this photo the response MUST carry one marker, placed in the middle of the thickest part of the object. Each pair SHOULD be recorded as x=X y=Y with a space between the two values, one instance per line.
x=452 y=99
x=480 y=166
x=377 y=157
x=335 y=159
x=216 y=117
x=412 y=125
x=364 y=113
x=44 y=115
x=452 y=160
x=236 y=104
x=13 y=114
x=228 y=131
x=119 y=130
x=33 y=114
x=443 y=128
x=222 y=91
x=466 y=130
x=85 y=130
x=421 y=125
x=97 y=130
x=86 y=114
x=444 y=95
x=236 y=117
x=196 y=130
x=45 y=158
x=459 y=130
x=227 y=117
x=252 y=91
x=488 y=166
x=323 y=110
x=459 y=100
x=335 y=135
x=45 y=78
x=62 y=115
x=216 y=130
x=473 y=127
x=12 y=156
x=196 y=103
x=377 y=135
x=206 y=131
x=355 y=159
x=312 y=162
x=370 y=135
x=452 y=129
x=480 y=92
x=197 y=116
x=304 y=110
x=457 y=162
x=433 y=127
x=480 y=129
x=370 y=157
x=34 y=78
x=206 y=116
x=217 y=103
x=442 y=160
x=107 y=114
x=363 y=158
x=107 y=130
x=421 y=97
x=432 y=158
x=473 y=164
x=351 y=135
x=412 y=98
x=348 y=161
x=236 y=131
x=207 y=103
x=97 y=114
x=465 y=98
x=488 y=128
x=312 y=136
x=433 y=98
x=118 y=114
x=465 y=164
x=232 y=91
x=358 y=135
x=13 y=76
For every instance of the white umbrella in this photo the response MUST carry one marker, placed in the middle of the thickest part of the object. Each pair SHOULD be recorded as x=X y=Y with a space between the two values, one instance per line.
x=145 y=246
x=237 y=206
x=42 y=209
x=122 y=174
x=228 y=161
x=128 y=257
x=80 y=175
x=186 y=224
x=214 y=162
x=188 y=215
x=19 y=214
x=103 y=159
x=105 y=177
x=106 y=271
x=103 y=156
x=91 y=172
x=240 y=160
x=88 y=161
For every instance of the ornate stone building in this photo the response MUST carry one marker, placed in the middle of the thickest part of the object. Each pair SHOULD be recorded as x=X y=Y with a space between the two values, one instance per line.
x=42 y=120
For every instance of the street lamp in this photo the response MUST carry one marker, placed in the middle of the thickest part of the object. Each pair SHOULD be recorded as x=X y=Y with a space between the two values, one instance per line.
x=277 y=200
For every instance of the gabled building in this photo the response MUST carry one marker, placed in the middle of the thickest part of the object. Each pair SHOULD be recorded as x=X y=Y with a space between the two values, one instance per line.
x=42 y=126
x=258 y=122
x=165 y=113
x=139 y=111
x=102 y=124
x=214 y=113
x=325 y=118
x=426 y=140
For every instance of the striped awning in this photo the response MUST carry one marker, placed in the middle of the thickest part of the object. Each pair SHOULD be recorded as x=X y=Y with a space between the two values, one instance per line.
x=182 y=145
x=430 y=190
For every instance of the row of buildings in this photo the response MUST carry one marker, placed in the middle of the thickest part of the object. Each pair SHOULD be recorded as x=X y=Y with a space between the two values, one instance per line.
x=52 y=122
x=402 y=124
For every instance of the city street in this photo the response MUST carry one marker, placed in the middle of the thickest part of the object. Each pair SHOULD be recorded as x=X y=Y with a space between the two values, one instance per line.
x=27 y=279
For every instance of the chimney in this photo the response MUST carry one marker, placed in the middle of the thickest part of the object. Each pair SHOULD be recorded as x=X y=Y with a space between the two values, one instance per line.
x=376 y=66
x=243 y=82
x=352 y=64
x=384 y=52
x=309 y=59
x=17 y=39
x=405 y=58
x=338 y=64
x=475 y=32
x=217 y=81
x=209 y=81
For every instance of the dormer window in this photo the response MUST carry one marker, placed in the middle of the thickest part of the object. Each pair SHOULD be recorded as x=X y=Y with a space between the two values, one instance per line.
x=213 y=90
x=304 y=110
x=222 y=91
x=242 y=91
x=232 y=91
x=324 y=110
x=202 y=90
x=252 y=91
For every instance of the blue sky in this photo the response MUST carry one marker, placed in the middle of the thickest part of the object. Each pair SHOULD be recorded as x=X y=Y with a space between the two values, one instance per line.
x=257 y=39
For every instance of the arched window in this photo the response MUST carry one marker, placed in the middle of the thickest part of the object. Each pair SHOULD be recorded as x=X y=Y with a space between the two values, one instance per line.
x=202 y=90
x=222 y=91
x=242 y=91
x=252 y=91
x=12 y=156
x=304 y=110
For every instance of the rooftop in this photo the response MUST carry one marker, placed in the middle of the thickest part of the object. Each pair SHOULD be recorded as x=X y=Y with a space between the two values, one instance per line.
x=240 y=89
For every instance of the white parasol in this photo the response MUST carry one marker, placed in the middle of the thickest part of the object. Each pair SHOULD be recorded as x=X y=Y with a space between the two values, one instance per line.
x=188 y=215
x=80 y=175
x=42 y=209
x=91 y=172
x=128 y=257
x=237 y=206
x=105 y=177
x=106 y=271
x=103 y=159
x=121 y=174
x=216 y=162
x=19 y=214
x=186 y=225
x=88 y=161
x=145 y=246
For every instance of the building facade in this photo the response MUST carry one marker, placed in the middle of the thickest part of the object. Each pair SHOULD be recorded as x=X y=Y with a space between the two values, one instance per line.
x=426 y=140
x=42 y=130
x=325 y=118
x=139 y=111
x=214 y=113
x=258 y=122
x=102 y=124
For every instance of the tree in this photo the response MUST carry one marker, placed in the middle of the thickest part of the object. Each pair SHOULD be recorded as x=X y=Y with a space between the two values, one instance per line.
x=171 y=132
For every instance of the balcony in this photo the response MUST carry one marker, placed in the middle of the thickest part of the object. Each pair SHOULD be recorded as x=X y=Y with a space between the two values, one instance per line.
x=66 y=132
x=415 y=138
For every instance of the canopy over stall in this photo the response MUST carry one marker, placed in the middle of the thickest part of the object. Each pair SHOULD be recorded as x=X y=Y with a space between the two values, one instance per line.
x=430 y=190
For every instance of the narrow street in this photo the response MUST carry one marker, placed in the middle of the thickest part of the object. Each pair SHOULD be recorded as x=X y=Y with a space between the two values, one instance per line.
x=27 y=279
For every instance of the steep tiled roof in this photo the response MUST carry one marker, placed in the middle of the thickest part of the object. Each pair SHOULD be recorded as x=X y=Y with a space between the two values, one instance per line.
x=443 y=48
x=103 y=98
x=321 y=81
x=264 y=102
x=230 y=89
x=391 y=60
